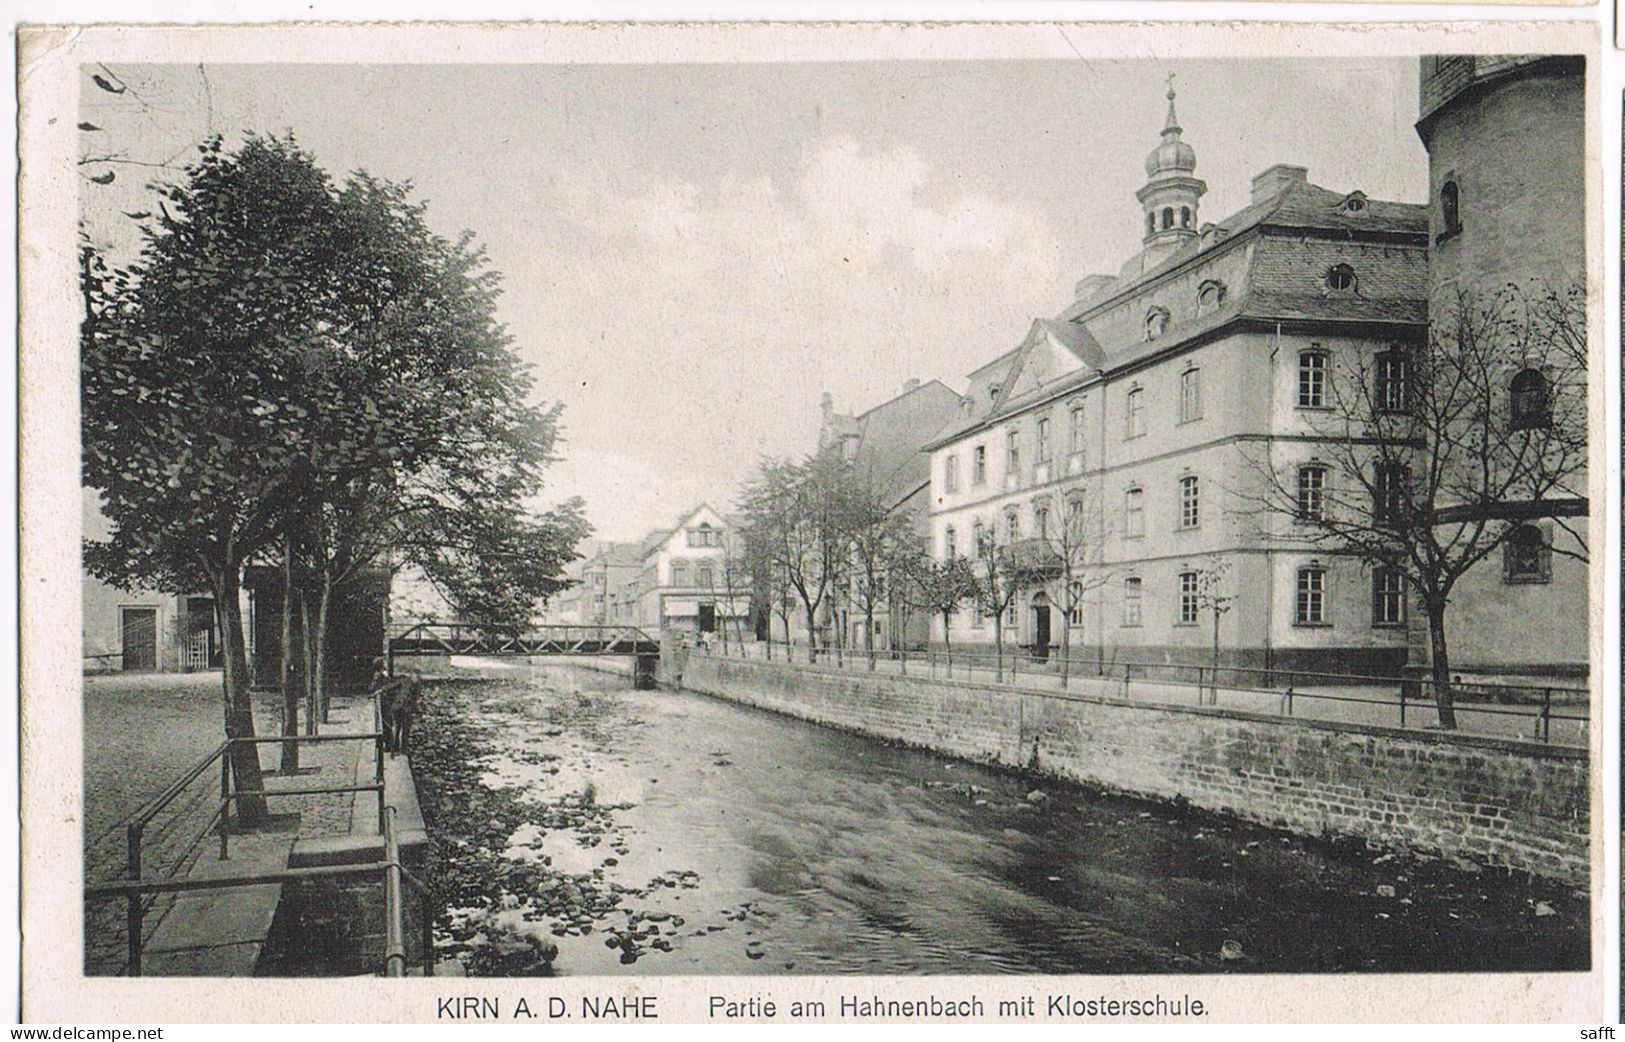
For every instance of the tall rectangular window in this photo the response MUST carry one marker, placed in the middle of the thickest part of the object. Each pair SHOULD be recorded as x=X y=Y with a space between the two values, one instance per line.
x=950 y=474
x=1391 y=392
x=1387 y=597
x=1190 y=395
x=1136 y=413
x=1311 y=596
x=1134 y=513
x=1041 y=447
x=1311 y=493
x=1187 y=598
x=949 y=550
x=1041 y=521
x=1190 y=502
x=1077 y=429
x=1390 y=492
x=1312 y=379
x=1012 y=527
x=1074 y=604
x=978 y=465
x=1131 y=600
x=978 y=536
x=1012 y=451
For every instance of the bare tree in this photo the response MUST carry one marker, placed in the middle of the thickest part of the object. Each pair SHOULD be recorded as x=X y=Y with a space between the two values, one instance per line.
x=1426 y=458
x=939 y=588
x=1213 y=595
x=1071 y=530
x=880 y=540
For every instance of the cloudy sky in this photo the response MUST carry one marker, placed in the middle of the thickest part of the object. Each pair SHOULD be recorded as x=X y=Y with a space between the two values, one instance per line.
x=692 y=254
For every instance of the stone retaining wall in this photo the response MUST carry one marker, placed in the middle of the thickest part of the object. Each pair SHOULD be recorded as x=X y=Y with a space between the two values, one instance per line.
x=1492 y=801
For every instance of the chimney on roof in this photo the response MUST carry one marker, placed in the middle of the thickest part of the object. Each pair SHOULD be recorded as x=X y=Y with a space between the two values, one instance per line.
x=911 y=384
x=827 y=405
x=1277 y=179
x=1090 y=286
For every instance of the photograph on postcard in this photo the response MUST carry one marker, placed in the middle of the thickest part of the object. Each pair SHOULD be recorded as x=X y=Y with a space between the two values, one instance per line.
x=1093 y=515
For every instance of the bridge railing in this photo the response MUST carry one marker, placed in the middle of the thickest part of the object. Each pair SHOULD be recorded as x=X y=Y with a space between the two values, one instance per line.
x=466 y=638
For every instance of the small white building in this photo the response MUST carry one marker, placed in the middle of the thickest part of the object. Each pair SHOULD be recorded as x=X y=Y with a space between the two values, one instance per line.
x=693 y=580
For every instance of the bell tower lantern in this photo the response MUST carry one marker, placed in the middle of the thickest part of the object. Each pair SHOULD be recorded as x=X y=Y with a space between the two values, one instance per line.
x=1171 y=192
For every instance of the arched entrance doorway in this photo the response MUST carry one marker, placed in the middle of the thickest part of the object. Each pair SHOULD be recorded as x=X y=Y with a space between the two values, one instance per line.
x=1041 y=627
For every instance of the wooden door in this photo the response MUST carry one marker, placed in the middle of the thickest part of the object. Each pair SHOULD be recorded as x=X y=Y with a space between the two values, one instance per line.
x=138 y=628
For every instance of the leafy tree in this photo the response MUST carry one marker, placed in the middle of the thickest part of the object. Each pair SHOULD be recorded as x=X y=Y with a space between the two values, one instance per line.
x=193 y=368
x=1426 y=459
x=297 y=368
x=797 y=514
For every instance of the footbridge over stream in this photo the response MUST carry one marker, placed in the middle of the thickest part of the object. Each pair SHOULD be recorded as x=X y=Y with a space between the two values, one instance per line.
x=461 y=638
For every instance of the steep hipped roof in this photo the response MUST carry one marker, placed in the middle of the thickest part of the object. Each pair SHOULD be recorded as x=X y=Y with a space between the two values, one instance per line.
x=893 y=434
x=1298 y=206
x=1290 y=237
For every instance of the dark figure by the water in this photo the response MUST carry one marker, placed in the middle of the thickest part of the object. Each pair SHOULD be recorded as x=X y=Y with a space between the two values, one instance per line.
x=398 y=705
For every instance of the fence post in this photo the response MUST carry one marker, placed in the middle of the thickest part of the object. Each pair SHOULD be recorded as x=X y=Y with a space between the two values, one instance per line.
x=1289 y=700
x=225 y=799
x=132 y=910
x=1545 y=722
x=394 y=941
x=428 y=936
x=1403 y=691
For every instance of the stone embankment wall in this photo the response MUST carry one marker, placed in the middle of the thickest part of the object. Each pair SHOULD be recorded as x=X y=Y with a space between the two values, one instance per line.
x=1487 y=800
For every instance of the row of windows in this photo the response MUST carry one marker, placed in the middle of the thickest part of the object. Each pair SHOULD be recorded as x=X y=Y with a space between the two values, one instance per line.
x=1530 y=401
x=704 y=575
x=1185 y=217
x=1190 y=516
x=1310 y=606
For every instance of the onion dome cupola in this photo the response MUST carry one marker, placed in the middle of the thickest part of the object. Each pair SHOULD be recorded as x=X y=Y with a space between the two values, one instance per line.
x=1171 y=192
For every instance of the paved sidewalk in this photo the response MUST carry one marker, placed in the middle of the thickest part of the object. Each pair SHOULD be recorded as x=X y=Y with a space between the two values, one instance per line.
x=141 y=734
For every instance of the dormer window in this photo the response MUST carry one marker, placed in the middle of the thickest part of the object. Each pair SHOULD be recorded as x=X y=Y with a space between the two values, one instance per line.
x=1340 y=279
x=1209 y=295
x=1156 y=322
x=1354 y=203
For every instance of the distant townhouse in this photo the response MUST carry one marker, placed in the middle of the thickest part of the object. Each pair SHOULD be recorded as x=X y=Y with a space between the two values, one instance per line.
x=1139 y=410
x=691 y=580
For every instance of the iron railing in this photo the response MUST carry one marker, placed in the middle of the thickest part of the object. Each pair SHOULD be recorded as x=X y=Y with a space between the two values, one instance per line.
x=134 y=887
x=1287 y=692
x=461 y=638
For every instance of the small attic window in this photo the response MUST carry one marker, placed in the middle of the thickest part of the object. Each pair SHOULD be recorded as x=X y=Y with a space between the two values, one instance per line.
x=1210 y=294
x=1340 y=279
x=1354 y=202
x=1156 y=322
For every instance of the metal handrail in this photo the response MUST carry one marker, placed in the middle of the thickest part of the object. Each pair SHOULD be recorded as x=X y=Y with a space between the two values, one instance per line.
x=135 y=912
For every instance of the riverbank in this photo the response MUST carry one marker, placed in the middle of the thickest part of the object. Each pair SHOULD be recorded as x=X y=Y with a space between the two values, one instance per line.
x=1486 y=801
x=587 y=828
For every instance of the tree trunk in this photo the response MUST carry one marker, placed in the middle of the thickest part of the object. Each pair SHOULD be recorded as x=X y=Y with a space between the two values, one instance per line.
x=1443 y=695
x=319 y=703
x=1215 y=677
x=998 y=647
x=1066 y=630
x=290 y=688
x=869 y=634
x=239 y=705
x=812 y=634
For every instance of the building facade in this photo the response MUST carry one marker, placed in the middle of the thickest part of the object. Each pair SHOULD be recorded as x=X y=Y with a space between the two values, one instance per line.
x=691 y=580
x=1505 y=137
x=1115 y=455
x=884 y=445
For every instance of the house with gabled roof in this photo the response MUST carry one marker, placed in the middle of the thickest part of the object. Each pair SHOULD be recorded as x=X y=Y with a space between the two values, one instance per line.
x=691 y=578
x=1136 y=413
